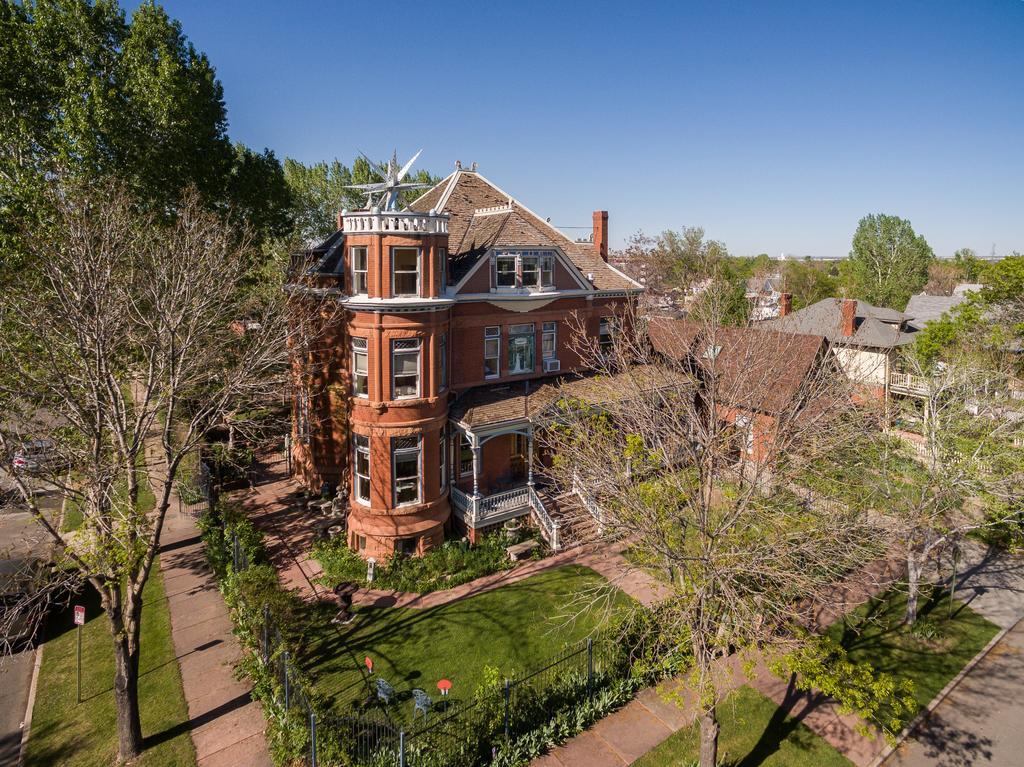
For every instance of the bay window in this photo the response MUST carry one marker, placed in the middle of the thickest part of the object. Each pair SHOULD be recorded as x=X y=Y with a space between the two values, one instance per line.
x=360 y=368
x=405 y=368
x=362 y=467
x=405 y=271
x=521 y=341
x=405 y=470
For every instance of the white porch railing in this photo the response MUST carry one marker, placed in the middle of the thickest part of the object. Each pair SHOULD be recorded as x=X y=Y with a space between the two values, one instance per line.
x=404 y=222
x=587 y=500
x=548 y=526
x=908 y=382
x=483 y=510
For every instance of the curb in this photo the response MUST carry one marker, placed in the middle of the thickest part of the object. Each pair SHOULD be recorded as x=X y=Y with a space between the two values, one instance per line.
x=943 y=694
x=30 y=705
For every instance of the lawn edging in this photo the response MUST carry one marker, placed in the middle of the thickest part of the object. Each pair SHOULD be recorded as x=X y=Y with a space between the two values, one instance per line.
x=942 y=695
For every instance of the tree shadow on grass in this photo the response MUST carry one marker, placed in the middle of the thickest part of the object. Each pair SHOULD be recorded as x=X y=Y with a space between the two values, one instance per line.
x=782 y=726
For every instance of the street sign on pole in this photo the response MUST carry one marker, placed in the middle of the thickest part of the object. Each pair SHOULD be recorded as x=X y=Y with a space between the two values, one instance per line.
x=79 y=622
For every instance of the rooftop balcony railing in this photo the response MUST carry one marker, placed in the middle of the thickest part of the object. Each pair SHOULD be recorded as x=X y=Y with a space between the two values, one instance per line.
x=394 y=222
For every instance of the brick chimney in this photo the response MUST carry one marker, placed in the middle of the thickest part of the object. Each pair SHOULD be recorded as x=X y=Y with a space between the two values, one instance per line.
x=785 y=304
x=340 y=221
x=601 y=233
x=849 y=316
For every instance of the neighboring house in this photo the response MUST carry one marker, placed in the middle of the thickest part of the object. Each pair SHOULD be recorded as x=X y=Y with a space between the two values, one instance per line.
x=923 y=308
x=766 y=299
x=864 y=338
x=761 y=375
x=465 y=297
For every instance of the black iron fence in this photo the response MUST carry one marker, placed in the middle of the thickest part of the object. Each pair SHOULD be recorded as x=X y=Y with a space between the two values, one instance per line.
x=463 y=734
x=196 y=495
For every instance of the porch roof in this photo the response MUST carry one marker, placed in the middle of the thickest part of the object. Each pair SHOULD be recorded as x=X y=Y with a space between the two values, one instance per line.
x=522 y=401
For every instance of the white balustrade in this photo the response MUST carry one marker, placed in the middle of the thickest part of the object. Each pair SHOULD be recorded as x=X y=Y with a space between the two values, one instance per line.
x=397 y=222
x=548 y=526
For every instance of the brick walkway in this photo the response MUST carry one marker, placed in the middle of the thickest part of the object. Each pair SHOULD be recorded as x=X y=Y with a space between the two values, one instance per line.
x=656 y=713
x=226 y=726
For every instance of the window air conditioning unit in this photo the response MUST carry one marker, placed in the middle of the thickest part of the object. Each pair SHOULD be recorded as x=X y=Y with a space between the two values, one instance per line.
x=552 y=366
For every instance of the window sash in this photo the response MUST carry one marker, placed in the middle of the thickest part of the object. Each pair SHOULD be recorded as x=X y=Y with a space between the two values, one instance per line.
x=405 y=475
x=405 y=371
x=547 y=271
x=358 y=255
x=405 y=273
x=531 y=272
x=360 y=368
x=492 y=352
x=362 y=467
x=549 y=343
x=505 y=271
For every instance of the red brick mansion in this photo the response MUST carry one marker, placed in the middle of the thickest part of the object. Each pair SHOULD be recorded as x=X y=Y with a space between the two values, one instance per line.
x=452 y=314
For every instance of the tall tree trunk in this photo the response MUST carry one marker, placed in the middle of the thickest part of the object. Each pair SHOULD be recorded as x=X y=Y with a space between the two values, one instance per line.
x=709 y=739
x=126 y=691
x=913 y=581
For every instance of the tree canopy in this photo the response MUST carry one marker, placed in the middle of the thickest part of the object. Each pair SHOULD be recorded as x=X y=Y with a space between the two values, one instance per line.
x=888 y=261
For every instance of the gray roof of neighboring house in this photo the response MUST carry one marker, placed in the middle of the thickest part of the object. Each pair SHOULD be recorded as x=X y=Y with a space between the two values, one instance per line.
x=964 y=287
x=876 y=327
x=923 y=309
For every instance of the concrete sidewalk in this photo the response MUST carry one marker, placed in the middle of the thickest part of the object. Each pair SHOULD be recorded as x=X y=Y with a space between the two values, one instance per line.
x=226 y=725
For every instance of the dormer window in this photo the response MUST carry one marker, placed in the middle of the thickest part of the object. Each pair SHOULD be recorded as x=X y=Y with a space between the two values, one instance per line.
x=529 y=269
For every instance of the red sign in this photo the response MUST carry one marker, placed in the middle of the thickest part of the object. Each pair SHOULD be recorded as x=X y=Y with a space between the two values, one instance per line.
x=79 y=615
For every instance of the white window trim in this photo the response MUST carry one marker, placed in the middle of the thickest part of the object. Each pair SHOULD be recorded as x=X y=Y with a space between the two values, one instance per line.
x=553 y=333
x=365 y=272
x=419 y=271
x=492 y=337
x=419 y=369
x=356 y=449
x=443 y=441
x=366 y=353
x=419 y=474
x=518 y=286
x=532 y=335
x=468 y=472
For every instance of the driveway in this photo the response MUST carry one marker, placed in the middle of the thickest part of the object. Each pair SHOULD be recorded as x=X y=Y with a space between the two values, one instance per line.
x=981 y=722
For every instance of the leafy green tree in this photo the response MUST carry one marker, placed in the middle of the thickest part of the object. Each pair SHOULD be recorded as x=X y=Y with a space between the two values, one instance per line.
x=259 y=193
x=807 y=282
x=888 y=261
x=1004 y=290
x=969 y=263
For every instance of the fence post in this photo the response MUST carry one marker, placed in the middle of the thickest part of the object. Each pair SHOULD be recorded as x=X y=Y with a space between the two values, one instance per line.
x=401 y=748
x=590 y=666
x=266 y=633
x=286 y=691
x=508 y=695
x=312 y=737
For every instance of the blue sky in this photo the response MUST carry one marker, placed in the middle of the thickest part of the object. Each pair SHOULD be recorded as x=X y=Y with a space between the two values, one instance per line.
x=773 y=126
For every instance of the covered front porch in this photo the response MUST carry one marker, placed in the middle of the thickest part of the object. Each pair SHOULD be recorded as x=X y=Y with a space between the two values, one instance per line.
x=493 y=478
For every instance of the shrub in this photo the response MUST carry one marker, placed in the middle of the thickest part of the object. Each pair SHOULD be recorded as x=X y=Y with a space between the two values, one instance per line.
x=447 y=566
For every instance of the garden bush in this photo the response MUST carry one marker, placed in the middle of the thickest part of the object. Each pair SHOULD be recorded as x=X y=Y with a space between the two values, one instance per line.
x=449 y=565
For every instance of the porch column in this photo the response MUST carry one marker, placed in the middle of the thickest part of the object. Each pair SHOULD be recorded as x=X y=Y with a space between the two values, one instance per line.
x=475 y=444
x=529 y=456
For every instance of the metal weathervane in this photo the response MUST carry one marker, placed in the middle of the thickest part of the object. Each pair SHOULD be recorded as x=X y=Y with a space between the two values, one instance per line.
x=392 y=185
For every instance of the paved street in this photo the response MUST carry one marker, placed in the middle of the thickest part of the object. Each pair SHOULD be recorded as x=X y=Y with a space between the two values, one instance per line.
x=20 y=536
x=15 y=675
x=982 y=720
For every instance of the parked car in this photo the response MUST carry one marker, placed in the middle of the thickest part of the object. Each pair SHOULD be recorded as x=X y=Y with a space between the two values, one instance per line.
x=21 y=606
x=34 y=456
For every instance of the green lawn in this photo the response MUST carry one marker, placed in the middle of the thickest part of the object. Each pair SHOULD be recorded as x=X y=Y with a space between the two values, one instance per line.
x=516 y=627
x=754 y=734
x=945 y=641
x=69 y=733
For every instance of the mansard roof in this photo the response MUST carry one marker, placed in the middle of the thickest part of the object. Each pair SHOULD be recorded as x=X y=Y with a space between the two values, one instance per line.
x=484 y=216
